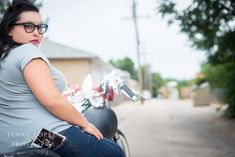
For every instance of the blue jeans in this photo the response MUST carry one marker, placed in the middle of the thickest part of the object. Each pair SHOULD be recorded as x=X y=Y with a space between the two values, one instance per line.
x=83 y=144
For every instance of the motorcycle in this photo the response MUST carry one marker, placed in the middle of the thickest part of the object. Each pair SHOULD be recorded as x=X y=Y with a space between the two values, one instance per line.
x=95 y=105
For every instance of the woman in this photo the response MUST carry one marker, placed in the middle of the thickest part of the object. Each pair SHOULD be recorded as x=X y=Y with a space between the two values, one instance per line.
x=30 y=94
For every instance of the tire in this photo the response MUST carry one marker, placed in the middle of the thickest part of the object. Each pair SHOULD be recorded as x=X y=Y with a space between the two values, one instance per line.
x=120 y=139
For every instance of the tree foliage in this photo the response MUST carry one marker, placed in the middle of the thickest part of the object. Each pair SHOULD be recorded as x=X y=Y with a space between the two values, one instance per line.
x=215 y=74
x=128 y=65
x=183 y=83
x=210 y=26
x=125 y=64
x=157 y=83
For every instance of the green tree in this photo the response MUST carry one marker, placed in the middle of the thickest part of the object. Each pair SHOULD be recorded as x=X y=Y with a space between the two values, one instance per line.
x=210 y=26
x=215 y=74
x=5 y=3
x=182 y=84
x=157 y=83
x=125 y=64
x=199 y=81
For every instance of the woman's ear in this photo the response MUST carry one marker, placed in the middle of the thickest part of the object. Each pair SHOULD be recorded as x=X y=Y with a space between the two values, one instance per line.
x=10 y=34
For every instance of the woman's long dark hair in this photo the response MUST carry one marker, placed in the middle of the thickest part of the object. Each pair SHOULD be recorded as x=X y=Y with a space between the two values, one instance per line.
x=10 y=17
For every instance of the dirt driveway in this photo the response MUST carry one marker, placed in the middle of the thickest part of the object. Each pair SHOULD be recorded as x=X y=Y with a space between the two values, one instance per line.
x=167 y=128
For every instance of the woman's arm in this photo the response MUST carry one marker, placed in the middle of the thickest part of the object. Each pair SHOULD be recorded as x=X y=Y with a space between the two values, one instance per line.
x=37 y=75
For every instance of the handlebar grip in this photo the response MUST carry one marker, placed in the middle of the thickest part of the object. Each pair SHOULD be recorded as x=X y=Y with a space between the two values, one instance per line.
x=127 y=91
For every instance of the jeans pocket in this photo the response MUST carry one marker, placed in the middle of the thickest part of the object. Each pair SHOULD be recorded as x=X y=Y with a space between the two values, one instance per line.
x=67 y=150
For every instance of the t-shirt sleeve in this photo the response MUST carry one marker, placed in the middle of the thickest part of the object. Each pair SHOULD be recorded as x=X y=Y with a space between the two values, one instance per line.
x=28 y=52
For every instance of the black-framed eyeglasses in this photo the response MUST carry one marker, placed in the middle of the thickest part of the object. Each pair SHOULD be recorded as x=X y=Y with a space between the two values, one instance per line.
x=30 y=27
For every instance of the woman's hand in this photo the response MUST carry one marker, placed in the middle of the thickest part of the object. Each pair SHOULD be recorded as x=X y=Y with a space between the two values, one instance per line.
x=91 y=129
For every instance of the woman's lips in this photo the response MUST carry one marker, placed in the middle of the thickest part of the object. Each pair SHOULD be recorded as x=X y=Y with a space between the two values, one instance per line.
x=35 y=42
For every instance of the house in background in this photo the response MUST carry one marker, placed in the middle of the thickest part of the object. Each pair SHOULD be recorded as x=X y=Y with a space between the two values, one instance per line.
x=169 y=91
x=75 y=63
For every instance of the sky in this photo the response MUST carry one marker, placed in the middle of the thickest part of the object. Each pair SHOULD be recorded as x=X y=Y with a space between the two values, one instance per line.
x=105 y=28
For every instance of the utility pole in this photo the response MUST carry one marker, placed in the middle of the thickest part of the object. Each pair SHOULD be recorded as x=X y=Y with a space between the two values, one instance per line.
x=134 y=16
x=135 y=19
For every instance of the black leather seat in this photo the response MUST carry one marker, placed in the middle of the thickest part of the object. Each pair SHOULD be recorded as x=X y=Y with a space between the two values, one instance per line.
x=32 y=152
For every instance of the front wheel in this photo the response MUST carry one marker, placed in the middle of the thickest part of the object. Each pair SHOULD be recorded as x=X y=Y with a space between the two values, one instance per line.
x=120 y=139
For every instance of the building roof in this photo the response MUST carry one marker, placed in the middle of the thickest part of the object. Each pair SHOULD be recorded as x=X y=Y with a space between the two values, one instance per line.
x=55 y=50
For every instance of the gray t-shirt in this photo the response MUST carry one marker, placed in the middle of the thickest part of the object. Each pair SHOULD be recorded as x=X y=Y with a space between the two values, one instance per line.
x=21 y=114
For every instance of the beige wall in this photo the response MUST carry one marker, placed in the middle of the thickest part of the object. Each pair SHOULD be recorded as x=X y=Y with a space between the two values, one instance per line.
x=75 y=70
x=202 y=96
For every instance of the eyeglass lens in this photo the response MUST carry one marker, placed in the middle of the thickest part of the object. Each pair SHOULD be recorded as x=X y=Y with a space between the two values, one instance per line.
x=30 y=27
